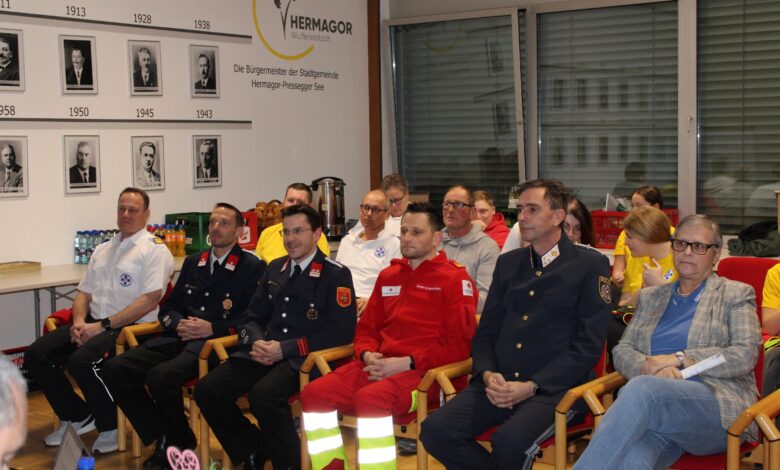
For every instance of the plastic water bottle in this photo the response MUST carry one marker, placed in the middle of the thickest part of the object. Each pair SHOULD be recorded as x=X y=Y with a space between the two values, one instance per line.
x=86 y=463
x=76 y=254
x=83 y=248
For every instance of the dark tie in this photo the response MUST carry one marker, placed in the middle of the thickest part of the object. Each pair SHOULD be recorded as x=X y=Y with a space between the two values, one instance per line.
x=214 y=267
x=295 y=274
x=85 y=175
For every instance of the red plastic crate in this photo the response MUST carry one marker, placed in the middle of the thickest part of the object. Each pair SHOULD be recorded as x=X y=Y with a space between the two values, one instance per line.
x=609 y=224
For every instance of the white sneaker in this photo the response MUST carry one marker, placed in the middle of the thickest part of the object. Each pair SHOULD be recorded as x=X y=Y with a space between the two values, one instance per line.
x=81 y=427
x=105 y=443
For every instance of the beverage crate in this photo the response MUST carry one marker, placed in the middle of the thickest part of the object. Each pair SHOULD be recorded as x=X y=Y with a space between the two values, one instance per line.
x=16 y=355
x=196 y=232
x=609 y=224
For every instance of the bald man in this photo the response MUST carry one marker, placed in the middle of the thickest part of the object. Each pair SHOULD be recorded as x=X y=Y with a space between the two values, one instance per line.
x=368 y=248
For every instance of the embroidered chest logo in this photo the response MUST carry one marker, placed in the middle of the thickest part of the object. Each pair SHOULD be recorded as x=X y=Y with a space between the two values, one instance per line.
x=468 y=290
x=125 y=280
x=380 y=252
x=428 y=288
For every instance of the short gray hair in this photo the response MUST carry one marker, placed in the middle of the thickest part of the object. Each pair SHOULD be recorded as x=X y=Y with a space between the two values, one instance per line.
x=702 y=221
x=10 y=378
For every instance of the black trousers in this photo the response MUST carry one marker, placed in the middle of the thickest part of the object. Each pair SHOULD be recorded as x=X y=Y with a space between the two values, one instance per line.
x=449 y=433
x=45 y=360
x=146 y=383
x=268 y=388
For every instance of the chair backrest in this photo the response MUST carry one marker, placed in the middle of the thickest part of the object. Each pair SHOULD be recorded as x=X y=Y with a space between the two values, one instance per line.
x=751 y=271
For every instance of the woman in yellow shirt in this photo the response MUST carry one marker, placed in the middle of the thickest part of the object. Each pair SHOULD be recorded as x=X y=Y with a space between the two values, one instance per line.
x=647 y=235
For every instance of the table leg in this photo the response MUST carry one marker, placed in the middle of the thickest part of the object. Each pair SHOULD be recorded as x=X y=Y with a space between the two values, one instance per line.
x=37 y=299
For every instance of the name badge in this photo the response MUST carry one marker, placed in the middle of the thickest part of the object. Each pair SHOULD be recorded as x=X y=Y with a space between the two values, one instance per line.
x=391 y=291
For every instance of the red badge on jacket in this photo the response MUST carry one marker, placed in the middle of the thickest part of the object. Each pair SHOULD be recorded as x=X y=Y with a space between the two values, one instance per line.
x=204 y=258
x=343 y=296
x=316 y=270
x=231 y=263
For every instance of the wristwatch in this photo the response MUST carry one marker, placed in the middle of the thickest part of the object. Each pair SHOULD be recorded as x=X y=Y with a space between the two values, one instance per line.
x=106 y=323
x=680 y=355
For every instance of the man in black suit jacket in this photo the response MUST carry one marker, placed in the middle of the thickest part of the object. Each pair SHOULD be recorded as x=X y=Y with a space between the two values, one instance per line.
x=9 y=68
x=82 y=174
x=145 y=76
x=208 y=169
x=214 y=288
x=206 y=83
x=79 y=75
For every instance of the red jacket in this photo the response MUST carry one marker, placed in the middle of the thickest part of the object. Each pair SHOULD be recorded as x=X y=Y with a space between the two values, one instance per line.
x=497 y=230
x=428 y=313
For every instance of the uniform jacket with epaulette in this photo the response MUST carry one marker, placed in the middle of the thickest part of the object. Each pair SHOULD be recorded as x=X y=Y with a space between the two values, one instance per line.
x=219 y=298
x=316 y=311
x=546 y=324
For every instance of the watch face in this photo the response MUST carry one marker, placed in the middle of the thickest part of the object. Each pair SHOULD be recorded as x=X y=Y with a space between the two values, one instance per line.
x=105 y=323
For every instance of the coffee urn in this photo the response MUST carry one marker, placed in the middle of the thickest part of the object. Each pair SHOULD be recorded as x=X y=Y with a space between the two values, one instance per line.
x=329 y=201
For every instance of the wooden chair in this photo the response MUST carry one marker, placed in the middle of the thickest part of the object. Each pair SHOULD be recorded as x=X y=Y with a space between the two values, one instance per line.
x=405 y=426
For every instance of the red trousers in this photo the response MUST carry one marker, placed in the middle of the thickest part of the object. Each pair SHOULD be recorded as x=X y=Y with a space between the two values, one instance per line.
x=348 y=390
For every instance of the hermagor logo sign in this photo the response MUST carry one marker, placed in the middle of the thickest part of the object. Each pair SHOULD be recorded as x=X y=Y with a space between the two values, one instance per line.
x=292 y=29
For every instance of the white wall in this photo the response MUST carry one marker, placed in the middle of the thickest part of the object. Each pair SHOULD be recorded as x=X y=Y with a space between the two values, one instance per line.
x=294 y=136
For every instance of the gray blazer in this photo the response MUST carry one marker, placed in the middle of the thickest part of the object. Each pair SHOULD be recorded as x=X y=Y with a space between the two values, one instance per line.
x=725 y=322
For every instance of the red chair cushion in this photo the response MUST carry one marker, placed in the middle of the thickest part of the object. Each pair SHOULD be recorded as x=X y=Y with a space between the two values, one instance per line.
x=585 y=425
x=709 y=462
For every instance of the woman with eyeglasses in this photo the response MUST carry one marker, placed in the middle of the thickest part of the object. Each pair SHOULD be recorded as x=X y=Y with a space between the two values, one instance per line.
x=578 y=224
x=659 y=415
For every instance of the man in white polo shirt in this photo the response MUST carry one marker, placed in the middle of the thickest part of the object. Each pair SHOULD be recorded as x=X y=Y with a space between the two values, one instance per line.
x=126 y=278
x=368 y=249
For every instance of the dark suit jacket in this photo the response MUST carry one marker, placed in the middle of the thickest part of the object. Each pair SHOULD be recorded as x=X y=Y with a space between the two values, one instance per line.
x=219 y=298
x=86 y=76
x=316 y=311
x=76 y=179
x=558 y=315
x=14 y=183
x=214 y=172
x=210 y=85
x=138 y=81
x=10 y=73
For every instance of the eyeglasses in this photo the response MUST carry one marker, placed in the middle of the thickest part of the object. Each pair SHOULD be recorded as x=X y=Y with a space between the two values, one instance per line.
x=696 y=247
x=371 y=209
x=574 y=228
x=455 y=205
x=396 y=201
x=297 y=231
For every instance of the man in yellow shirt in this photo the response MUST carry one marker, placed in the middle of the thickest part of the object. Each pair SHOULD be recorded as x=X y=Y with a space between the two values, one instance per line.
x=770 y=326
x=270 y=244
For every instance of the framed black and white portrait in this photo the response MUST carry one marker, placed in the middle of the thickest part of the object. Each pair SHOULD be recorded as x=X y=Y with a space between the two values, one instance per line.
x=11 y=60
x=81 y=155
x=78 y=64
x=207 y=160
x=145 y=67
x=13 y=166
x=204 y=71
x=148 y=162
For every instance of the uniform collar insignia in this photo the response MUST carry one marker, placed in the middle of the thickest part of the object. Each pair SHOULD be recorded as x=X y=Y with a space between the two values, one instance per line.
x=204 y=258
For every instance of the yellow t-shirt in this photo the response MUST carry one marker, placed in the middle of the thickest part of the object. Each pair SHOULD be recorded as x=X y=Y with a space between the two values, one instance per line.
x=772 y=288
x=270 y=245
x=632 y=276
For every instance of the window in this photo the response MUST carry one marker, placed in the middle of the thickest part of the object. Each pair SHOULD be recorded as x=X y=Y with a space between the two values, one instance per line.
x=739 y=111
x=455 y=105
x=607 y=99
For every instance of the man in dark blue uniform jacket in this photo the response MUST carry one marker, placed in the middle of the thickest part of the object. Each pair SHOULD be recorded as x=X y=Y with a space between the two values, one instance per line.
x=213 y=290
x=541 y=332
x=305 y=302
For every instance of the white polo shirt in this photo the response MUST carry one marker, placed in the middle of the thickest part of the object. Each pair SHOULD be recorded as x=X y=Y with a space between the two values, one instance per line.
x=365 y=259
x=121 y=271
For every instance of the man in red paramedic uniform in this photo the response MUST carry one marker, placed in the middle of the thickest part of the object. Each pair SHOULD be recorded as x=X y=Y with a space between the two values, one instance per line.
x=421 y=315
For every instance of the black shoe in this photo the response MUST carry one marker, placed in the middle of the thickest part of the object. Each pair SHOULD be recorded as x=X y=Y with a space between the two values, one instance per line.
x=406 y=447
x=158 y=459
x=255 y=461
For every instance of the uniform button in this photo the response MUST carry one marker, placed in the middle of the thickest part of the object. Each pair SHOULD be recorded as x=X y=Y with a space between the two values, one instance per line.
x=531 y=293
x=525 y=317
x=270 y=296
x=189 y=291
x=203 y=309
x=284 y=330
x=206 y=294
x=227 y=295
x=284 y=315
x=519 y=346
x=517 y=375
x=286 y=299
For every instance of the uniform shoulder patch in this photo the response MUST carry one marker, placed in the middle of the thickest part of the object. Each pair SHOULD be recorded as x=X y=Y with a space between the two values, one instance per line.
x=343 y=297
x=334 y=262
x=158 y=241
x=605 y=289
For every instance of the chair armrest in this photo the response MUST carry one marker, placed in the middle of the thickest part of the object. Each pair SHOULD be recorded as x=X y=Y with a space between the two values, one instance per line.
x=762 y=412
x=50 y=325
x=128 y=336
x=443 y=375
x=610 y=381
x=600 y=387
x=321 y=359
x=219 y=347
